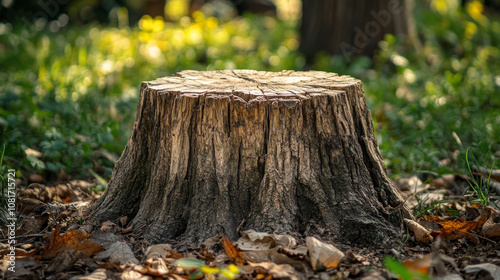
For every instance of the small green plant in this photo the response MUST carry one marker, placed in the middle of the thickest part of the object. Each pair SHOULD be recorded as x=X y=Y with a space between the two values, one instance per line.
x=481 y=191
x=198 y=268
x=101 y=183
x=432 y=208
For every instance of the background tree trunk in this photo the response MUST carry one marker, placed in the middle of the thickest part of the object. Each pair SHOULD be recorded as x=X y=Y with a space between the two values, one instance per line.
x=285 y=152
x=350 y=28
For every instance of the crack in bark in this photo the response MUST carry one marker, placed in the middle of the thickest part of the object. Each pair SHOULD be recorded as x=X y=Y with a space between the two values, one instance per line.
x=291 y=148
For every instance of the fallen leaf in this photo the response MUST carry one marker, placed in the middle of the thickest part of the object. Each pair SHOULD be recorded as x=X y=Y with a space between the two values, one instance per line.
x=188 y=263
x=234 y=255
x=491 y=229
x=157 y=267
x=119 y=251
x=213 y=241
x=408 y=184
x=272 y=255
x=99 y=274
x=27 y=205
x=323 y=255
x=21 y=252
x=421 y=233
x=283 y=271
x=420 y=265
x=123 y=221
x=73 y=240
x=108 y=226
x=492 y=269
x=353 y=257
x=36 y=178
x=456 y=229
x=174 y=255
x=128 y=229
x=64 y=261
x=447 y=181
x=130 y=275
x=157 y=251
x=105 y=239
x=25 y=268
x=253 y=240
x=300 y=251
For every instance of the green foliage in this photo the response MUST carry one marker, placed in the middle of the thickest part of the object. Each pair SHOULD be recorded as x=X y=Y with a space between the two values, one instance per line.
x=481 y=191
x=101 y=183
x=402 y=271
x=69 y=93
x=198 y=268
x=3 y=189
x=5 y=169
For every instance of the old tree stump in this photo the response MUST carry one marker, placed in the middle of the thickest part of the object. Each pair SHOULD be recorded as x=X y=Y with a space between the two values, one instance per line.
x=275 y=152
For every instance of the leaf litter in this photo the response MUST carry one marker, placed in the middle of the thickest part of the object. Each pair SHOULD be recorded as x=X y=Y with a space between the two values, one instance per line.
x=451 y=238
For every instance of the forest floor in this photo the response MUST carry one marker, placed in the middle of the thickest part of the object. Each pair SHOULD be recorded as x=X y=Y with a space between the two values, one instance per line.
x=456 y=237
x=68 y=100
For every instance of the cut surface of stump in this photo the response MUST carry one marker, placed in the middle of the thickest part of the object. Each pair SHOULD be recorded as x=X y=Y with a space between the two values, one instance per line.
x=286 y=152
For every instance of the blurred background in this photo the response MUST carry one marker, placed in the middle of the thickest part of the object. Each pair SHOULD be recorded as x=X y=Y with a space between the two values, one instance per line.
x=70 y=71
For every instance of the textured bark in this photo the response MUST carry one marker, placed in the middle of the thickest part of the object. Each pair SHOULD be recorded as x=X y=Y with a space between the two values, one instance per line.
x=276 y=152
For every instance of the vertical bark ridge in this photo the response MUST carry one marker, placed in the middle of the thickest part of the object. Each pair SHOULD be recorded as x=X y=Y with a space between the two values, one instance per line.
x=283 y=152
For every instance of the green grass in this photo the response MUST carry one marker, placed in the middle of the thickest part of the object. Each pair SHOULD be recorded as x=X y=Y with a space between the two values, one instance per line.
x=482 y=192
x=70 y=93
x=4 y=189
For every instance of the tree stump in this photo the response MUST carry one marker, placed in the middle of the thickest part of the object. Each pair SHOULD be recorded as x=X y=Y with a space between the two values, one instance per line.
x=288 y=152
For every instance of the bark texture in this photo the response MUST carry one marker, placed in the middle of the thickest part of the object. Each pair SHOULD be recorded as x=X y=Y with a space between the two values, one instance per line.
x=351 y=28
x=276 y=152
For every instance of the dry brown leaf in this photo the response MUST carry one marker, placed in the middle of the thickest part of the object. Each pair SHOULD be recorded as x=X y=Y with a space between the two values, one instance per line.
x=64 y=261
x=25 y=268
x=420 y=264
x=73 y=240
x=157 y=251
x=174 y=255
x=283 y=271
x=157 y=267
x=28 y=205
x=457 y=229
x=234 y=255
x=421 y=233
x=323 y=255
x=108 y=226
x=159 y=264
x=100 y=274
x=490 y=228
x=272 y=255
x=123 y=221
x=119 y=251
x=460 y=228
x=36 y=178
x=492 y=269
x=21 y=252
x=253 y=240
x=127 y=230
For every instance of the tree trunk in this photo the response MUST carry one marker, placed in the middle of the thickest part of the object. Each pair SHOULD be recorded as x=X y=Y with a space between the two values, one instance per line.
x=350 y=28
x=276 y=152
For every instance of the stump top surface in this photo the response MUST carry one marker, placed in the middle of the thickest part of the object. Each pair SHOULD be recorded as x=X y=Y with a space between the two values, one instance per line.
x=253 y=84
